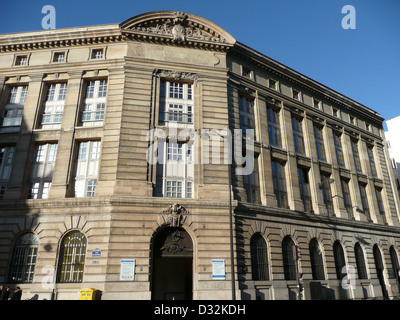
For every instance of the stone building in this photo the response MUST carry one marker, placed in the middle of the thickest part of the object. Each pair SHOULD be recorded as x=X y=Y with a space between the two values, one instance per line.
x=116 y=149
x=392 y=134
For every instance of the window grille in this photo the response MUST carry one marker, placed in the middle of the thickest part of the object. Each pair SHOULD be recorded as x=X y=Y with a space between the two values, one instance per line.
x=360 y=261
x=289 y=263
x=340 y=261
x=259 y=257
x=317 y=264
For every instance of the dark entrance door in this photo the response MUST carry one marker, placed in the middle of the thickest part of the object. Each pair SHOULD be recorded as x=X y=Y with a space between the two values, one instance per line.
x=172 y=275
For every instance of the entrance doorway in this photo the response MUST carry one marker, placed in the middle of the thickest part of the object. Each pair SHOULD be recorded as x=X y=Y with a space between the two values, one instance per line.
x=172 y=265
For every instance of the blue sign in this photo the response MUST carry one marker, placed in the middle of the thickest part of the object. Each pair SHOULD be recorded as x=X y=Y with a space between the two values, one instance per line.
x=96 y=252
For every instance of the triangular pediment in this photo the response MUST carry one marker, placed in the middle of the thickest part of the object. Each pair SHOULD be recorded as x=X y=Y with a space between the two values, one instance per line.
x=176 y=27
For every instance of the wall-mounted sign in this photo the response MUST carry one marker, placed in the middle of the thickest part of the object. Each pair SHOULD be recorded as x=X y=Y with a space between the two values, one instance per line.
x=96 y=252
x=127 y=270
x=218 y=269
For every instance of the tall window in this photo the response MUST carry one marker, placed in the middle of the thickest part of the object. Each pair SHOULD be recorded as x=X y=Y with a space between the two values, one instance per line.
x=319 y=143
x=274 y=130
x=346 y=196
x=298 y=135
x=87 y=167
x=340 y=261
x=305 y=192
x=326 y=192
x=53 y=107
x=371 y=159
x=42 y=171
x=12 y=111
x=24 y=259
x=176 y=170
x=259 y=257
x=364 y=200
x=252 y=185
x=338 y=148
x=379 y=200
x=6 y=161
x=356 y=157
x=317 y=263
x=278 y=177
x=289 y=263
x=71 y=260
x=360 y=261
x=176 y=102
x=95 y=103
x=246 y=111
x=395 y=262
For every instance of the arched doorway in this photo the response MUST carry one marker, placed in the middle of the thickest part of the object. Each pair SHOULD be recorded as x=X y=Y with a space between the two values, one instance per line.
x=172 y=265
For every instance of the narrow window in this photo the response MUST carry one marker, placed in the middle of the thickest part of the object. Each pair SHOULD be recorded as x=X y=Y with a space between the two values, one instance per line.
x=12 y=112
x=251 y=184
x=338 y=148
x=340 y=261
x=364 y=200
x=326 y=192
x=319 y=142
x=259 y=257
x=360 y=261
x=305 y=192
x=272 y=84
x=246 y=111
x=6 y=160
x=346 y=197
x=395 y=263
x=356 y=157
x=370 y=150
x=289 y=263
x=278 y=177
x=53 y=107
x=274 y=130
x=94 y=103
x=317 y=264
x=298 y=135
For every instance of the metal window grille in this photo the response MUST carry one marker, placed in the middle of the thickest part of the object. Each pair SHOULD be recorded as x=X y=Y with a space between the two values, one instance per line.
x=24 y=259
x=259 y=258
x=72 y=257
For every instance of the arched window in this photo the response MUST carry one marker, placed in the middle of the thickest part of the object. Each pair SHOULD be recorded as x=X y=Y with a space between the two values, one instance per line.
x=289 y=264
x=317 y=263
x=24 y=259
x=395 y=260
x=340 y=261
x=72 y=257
x=360 y=261
x=259 y=257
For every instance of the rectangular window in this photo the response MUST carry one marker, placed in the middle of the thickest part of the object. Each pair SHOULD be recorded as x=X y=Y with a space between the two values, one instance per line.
x=53 y=107
x=59 y=57
x=21 y=61
x=305 y=191
x=246 y=112
x=246 y=72
x=338 y=148
x=87 y=167
x=346 y=197
x=296 y=94
x=6 y=160
x=251 y=184
x=97 y=53
x=364 y=200
x=12 y=112
x=94 y=103
x=272 y=84
x=42 y=171
x=370 y=150
x=326 y=192
x=176 y=170
x=356 y=157
x=274 y=129
x=176 y=102
x=278 y=177
x=317 y=103
x=319 y=142
x=380 y=201
x=298 y=135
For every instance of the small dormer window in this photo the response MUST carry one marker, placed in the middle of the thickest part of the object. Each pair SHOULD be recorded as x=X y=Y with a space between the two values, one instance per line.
x=21 y=61
x=246 y=72
x=272 y=84
x=296 y=94
x=97 y=54
x=59 y=57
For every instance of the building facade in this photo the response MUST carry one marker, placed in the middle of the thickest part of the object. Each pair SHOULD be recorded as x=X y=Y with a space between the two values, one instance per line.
x=394 y=147
x=116 y=148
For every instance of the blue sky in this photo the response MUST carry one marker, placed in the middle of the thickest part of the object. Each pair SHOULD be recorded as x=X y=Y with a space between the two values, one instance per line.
x=305 y=35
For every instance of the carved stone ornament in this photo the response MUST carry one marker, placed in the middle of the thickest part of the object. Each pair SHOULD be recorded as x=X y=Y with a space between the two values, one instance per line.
x=176 y=215
x=179 y=27
x=176 y=75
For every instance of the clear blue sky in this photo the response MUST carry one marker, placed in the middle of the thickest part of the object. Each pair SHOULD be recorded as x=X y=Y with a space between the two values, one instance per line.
x=305 y=35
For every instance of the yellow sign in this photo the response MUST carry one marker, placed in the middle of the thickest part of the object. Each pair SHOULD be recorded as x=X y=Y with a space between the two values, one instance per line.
x=88 y=294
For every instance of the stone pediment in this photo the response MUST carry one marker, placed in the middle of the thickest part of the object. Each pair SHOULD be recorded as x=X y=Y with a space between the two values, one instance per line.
x=177 y=28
